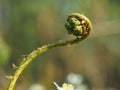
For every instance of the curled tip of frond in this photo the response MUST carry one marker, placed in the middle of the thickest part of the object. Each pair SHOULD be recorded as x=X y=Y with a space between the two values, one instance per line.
x=78 y=25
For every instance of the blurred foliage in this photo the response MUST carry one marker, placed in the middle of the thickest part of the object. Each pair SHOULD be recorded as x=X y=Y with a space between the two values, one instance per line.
x=28 y=24
x=4 y=52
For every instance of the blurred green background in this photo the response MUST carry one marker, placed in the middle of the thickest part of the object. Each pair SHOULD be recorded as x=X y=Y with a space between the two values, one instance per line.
x=93 y=64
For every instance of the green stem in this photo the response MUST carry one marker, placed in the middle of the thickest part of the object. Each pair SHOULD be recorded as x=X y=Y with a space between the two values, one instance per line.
x=34 y=54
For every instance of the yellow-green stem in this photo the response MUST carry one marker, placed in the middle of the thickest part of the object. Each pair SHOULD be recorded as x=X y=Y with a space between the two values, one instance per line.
x=87 y=26
x=34 y=54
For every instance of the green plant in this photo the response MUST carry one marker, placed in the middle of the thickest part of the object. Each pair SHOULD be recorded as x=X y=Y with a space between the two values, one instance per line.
x=76 y=24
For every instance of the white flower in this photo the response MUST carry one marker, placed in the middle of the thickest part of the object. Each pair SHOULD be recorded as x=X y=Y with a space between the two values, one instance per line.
x=65 y=86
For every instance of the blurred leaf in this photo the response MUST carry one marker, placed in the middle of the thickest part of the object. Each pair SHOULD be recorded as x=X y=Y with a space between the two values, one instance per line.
x=4 y=52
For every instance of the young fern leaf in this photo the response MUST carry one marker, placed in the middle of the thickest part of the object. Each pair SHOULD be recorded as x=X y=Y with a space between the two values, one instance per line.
x=76 y=24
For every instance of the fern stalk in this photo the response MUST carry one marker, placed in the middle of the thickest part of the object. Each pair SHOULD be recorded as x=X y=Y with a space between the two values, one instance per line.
x=76 y=24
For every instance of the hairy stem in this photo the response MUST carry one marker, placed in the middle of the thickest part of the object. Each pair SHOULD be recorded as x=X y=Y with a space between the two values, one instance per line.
x=34 y=54
x=77 y=24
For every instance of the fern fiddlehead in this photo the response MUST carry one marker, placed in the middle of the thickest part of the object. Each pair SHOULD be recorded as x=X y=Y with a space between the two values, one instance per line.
x=76 y=24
